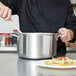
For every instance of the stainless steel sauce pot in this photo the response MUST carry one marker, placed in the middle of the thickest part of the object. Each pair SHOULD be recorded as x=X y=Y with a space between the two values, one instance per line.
x=37 y=45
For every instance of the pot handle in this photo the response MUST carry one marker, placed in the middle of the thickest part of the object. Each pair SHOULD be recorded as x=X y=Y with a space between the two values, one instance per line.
x=58 y=36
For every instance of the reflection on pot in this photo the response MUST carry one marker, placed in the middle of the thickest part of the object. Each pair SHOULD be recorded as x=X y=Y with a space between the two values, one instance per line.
x=27 y=68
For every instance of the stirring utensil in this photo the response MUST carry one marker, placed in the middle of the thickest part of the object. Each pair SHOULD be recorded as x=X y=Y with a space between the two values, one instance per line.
x=13 y=24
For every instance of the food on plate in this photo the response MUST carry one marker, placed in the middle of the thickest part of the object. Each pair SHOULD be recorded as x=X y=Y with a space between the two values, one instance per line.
x=60 y=61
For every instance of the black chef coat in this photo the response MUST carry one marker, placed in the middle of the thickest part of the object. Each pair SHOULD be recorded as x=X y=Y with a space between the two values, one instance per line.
x=44 y=16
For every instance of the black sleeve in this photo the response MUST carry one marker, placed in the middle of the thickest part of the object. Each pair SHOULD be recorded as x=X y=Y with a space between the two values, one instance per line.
x=13 y=4
x=71 y=19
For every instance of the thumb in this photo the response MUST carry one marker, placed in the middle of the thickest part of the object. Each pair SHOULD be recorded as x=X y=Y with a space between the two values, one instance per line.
x=61 y=31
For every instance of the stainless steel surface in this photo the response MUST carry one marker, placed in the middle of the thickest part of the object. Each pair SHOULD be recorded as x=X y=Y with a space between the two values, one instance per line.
x=71 y=49
x=37 y=45
x=30 y=68
x=11 y=65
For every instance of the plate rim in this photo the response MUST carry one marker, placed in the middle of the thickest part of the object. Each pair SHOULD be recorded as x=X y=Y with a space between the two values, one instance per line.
x=41 y=64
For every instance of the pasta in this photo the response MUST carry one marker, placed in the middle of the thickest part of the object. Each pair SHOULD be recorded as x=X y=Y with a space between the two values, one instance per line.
x=60 y=61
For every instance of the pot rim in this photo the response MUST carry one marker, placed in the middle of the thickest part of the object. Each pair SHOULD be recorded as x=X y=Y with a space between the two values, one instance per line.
x=39 y=33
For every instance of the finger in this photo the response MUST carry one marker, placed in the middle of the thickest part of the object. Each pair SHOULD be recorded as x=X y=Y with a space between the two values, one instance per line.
x=61 y=31
x=8 y=16
x=5 y=13
x=70 y=35
x=67 y=38
x=64 y=39
x=1 y=12
x=64 y=36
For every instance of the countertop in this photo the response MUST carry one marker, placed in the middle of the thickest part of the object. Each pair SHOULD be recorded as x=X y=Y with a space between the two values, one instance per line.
x=12 y=65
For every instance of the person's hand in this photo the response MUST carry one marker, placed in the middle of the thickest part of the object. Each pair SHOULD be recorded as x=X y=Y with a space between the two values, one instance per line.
x=5 y=12
x=66 y=34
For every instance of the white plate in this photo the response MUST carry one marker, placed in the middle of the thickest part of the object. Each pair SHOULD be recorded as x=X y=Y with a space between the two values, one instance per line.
x=41 y=64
